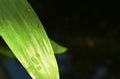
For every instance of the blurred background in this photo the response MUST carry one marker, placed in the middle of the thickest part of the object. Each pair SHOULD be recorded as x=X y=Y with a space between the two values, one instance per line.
x=89 y=29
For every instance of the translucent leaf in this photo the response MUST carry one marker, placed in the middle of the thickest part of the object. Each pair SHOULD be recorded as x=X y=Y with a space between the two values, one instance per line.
x=24 y=34
x=58 y=49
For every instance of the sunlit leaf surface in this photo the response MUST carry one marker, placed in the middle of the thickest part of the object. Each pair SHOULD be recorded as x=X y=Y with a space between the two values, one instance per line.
x=58 y=49
x=25 y=36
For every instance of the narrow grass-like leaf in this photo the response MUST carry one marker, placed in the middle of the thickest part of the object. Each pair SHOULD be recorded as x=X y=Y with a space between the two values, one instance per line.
x=26 y=37
x=58 y=49
x=4 y=50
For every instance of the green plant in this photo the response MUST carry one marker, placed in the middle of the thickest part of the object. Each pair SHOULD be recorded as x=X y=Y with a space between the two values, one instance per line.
x=24 y=34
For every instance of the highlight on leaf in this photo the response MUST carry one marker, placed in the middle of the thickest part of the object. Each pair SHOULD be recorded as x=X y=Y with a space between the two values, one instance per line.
x=58 y=49
x=23 y=32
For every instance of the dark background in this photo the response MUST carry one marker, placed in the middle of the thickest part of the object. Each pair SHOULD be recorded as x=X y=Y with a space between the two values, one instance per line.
x=90 y=30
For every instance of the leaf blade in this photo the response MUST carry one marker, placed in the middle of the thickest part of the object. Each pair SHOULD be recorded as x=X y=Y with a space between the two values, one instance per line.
x=58 y=49
x=26 y=37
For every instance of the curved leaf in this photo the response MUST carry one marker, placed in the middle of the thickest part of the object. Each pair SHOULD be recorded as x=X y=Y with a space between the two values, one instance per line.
x=58 y=49
x=26 y=37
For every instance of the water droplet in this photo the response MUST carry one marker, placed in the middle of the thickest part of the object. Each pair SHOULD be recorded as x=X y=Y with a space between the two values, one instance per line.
x=30 y=69
x=35 y=60
x=38 y=67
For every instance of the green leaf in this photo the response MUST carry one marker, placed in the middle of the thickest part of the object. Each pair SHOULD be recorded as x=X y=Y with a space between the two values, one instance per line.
x=4 y=50
x=23 y=32
x=58 y=49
